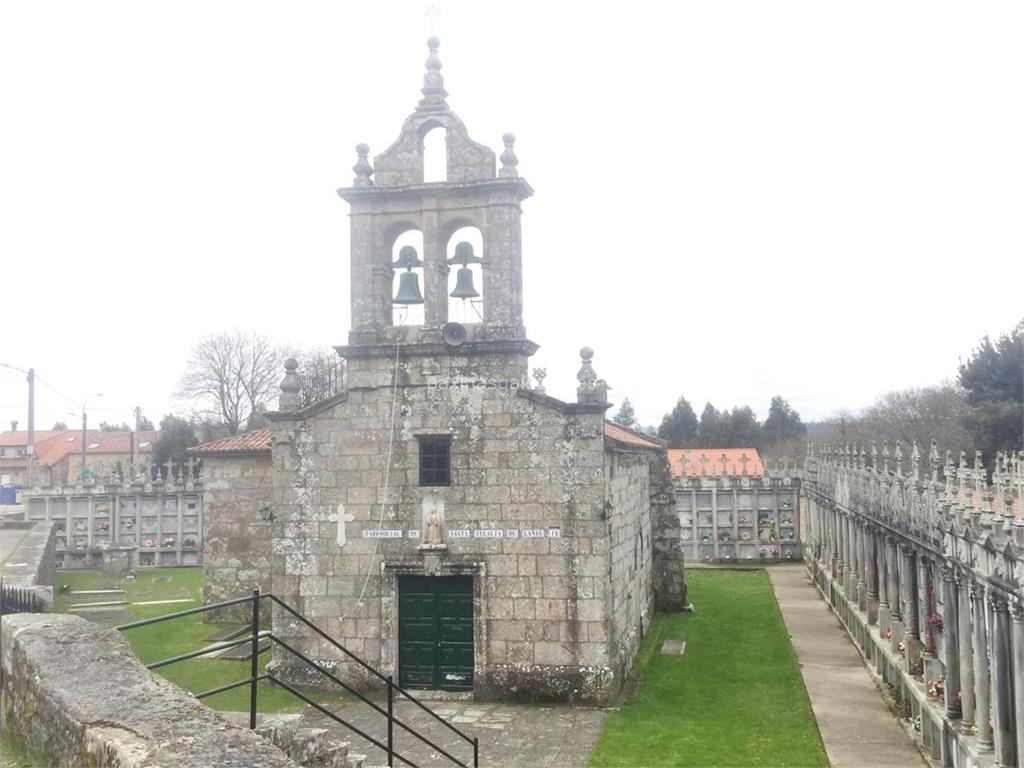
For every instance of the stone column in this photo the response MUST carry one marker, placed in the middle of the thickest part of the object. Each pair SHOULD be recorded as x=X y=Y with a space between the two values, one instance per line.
x=872 y=577
x=1017 y=641
x=838 y=544
x=951 y=646
x=1002 y=682
x=892 y=577
x=851 y=560
x=862 y=567
x=911 y=614
x=981 y=680
x=966 y=653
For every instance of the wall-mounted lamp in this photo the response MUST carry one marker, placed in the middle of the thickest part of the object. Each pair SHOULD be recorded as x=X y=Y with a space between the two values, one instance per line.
x=606 y=511
x=266 y=513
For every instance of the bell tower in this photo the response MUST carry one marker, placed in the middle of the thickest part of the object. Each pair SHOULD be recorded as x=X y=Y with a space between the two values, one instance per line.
x=419 y=284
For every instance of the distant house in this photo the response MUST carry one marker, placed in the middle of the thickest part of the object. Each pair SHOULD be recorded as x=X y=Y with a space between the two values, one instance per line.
x=731 y=462
x=58 y=454
x=14 y=454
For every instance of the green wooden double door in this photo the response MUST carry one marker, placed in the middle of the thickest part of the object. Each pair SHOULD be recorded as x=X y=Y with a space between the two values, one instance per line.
x=435 y=632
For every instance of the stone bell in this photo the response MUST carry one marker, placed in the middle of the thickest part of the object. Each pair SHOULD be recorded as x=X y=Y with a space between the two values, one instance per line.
x=408 y=281
x=464 y=255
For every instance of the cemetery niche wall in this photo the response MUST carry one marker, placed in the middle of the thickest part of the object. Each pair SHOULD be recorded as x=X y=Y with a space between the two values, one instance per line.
x=443 y=516
x=151 y=518
x=733 y=509
x=925 y=566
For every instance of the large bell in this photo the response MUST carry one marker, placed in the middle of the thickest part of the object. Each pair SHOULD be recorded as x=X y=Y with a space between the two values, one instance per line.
x=409 y=289
x=464 y=285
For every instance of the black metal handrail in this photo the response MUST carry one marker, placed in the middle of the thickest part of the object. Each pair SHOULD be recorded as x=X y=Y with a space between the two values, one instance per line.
x=386 y=679
x=255 y=635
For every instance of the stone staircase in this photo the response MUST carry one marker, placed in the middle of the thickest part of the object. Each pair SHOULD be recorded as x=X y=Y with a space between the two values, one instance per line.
x=86 y=600
x=307 y=746
x=108 y=607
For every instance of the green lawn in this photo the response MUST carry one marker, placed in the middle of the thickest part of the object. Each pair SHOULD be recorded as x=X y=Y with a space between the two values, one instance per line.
x=178 y=636
x=734 y=698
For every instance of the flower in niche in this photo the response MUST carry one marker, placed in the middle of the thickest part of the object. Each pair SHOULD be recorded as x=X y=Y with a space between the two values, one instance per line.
x=149 y=544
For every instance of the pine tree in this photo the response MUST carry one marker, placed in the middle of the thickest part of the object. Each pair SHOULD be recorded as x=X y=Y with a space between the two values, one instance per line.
x=626 y=415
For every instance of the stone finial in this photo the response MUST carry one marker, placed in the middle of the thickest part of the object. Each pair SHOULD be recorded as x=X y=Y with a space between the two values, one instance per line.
x=539 y=374
x=874 y=456
x=885 y=457
x=362 y=167
x=915 y=463
x=898 y=457
x=433 y=82
x=585 y=392
x=509 y=161
x=933 y=457
x=291 y=387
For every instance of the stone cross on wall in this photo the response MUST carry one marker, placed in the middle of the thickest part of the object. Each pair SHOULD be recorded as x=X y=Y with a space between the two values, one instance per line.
x=744 y=461
x=340 y=516
x=703 y=464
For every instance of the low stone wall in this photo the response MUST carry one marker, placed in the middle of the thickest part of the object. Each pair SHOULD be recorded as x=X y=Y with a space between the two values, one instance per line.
x=33 y=563
x=74 y=692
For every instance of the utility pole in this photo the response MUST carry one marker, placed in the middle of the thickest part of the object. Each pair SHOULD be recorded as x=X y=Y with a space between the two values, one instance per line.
x=84 y=417
x=81 y=472
x=30 y=450
x=135 y=440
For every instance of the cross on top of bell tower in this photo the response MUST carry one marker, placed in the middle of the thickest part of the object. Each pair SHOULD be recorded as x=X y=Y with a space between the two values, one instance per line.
x=427 y=252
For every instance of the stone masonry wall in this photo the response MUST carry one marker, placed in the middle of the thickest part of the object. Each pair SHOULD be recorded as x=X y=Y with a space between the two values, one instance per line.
x=236 y=540
x=518 y=462
x=32 y=564
x=631 y=598
x=74 y=691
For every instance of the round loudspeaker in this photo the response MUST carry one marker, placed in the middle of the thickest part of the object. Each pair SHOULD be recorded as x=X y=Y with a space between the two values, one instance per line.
x=454 y=334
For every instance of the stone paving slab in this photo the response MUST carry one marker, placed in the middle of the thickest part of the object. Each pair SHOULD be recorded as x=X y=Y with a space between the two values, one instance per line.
x=857 y=727
x=510 y=735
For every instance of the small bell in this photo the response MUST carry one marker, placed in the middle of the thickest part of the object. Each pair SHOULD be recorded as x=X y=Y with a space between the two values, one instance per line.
x=464 y=285
x=408 y=281
x=409 y=289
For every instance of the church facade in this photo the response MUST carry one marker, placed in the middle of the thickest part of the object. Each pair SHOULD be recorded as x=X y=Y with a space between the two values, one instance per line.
x=441 y=516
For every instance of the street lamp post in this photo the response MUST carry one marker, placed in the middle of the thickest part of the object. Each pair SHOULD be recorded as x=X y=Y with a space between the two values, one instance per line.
x=30 y=449
x=81 y=473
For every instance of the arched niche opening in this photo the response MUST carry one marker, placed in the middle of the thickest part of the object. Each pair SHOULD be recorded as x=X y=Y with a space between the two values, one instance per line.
x=435 y=155
x=465 y=258
x=407 y=283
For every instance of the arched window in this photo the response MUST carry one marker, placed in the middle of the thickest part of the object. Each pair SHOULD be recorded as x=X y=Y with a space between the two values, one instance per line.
x=435 y=155
x=465 y=258
x=407 y=285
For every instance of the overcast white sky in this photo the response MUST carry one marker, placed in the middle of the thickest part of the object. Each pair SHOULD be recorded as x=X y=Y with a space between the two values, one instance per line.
x=733 y=199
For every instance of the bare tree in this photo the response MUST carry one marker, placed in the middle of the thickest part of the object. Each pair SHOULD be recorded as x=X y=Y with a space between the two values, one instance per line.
x=907 y=416
x=232 y=375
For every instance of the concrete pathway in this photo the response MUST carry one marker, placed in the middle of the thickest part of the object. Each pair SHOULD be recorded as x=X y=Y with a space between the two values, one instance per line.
x=857 y=727
x=511 y=736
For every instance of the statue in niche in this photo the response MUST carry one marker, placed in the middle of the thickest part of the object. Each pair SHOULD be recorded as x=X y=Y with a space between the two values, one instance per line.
x=434 y=527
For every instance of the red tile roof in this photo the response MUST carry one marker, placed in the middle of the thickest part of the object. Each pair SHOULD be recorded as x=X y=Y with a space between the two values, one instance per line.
x=257 y=441
x=20 y=438
x=97 y=442
x=629 y=438
x=712 y=463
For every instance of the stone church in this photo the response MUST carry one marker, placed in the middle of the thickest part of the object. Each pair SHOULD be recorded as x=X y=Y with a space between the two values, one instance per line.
x=446 y=520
